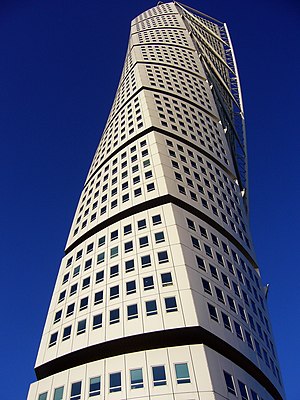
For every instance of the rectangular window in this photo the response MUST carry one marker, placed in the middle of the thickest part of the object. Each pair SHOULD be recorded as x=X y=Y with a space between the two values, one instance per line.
x=95 y=386
x=128 y=246
x=229 y=383
x=67 y=332
x=43 y=396
x=132 y=311
x=114 y=251
x=57 y=316
x=114 y=316
x=159 y=375
x=226 y=321
x=127 y=229
x=166 y=279
x=114 y=292
x=151 y=307
x=75 y=391
x=100 y=258
x=159 y=237
x=58 y=393
x=86 y=282
x=99 y=276
x=136 y=378
x=70 y=309
x=146 y=261
x=243 y=390
x=182 y=373
x=84 y=303
x=213 y=312
x=142 y=224
x=98 y=297
x=156 y=219
x=62 y=296
x=81 y=327
x=144 y=241
x=88 y=264
x=97 y=321
x=115 y=382
x=130 y=287
x=171 y=305
x=53 y=339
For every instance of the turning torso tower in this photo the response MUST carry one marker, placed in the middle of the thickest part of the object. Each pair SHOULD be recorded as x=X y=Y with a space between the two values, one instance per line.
x=159 y=295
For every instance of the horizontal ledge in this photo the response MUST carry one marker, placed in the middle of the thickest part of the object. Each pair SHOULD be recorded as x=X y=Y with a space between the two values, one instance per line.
x=156 y=340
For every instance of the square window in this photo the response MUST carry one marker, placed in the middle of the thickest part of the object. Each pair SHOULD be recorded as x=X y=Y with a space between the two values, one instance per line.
x=127 y=229
x=162 y=257
x=159 y=237
x=159 y=375
x=114 y=316
x=156 y=219
x=132 y=311
x=151 y=307
x=136 y=378
x=129 y=265
x=142 y=224
x=166 y=279
x=146 y=261
x=171 y=305
x=148 y=283
x=128 y=246
x=182 y=373
x=150 y=187
x=115 y=382
x=143 y=241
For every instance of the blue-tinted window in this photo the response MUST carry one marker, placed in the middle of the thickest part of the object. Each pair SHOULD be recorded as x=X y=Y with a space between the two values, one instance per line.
x=58 y=393
x=95 y=386
x=43 y=396
x=130 y=287
x=132 y=311
x=136 y=378
x=114 y=316
x=76 y=391
x=182 y=373
x=115 y=382
x=97 y=321
x=151 y=307
x=159 y=375
x=171 y=305
x=229 y=383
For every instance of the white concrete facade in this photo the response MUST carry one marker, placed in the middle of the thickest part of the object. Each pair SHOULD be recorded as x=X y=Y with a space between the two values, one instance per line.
x=159 y=294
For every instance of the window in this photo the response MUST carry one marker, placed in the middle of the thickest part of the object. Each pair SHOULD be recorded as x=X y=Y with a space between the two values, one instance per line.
x=132 y=311
x=213 y=312
x=95 y=386
x=144 y=241
x=182 y=373
x=156 y=219
x=115 y=382
x=114 y=251
x=159 y=237
x=136 y=378
x=98 y=297
x=81 y=327
x=114 y=235
x=67 y=332
x=99 y=276
x=129 y=265
x=114 y=292
x=195 y=242
x=76 y=271
x=200 y=263
x=90 y=247
x=62 y=296
x=151 y=307
x=101 y=241
x=84 y=303
x=162 y=257
x=73 y=289
x=86 y=283
x=150 y=187
x=159 y=375
x=148 y=283
x=146 y=261
x=88 y=264
x=238 y=330
x=249 y=339
x=171 y=305
x=53 y=339
x=127 y=229
x=43 y=396
x=226 y=321
x=114 y=271
x=243 y=390
x=57 y=316
x=130 y=287
x=220 y=295
x=66 y=278
x=206 y=286
x=100 y=258
x=166 y=279
x=70 y=309
x=114 y=316
x=76 y=391
x=142 y=224
x=229 y=383
x=97 y=321
x=58 y=393
x=128 y=246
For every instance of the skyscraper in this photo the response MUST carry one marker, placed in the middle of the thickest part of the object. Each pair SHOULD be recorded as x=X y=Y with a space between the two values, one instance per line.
x=159 y=294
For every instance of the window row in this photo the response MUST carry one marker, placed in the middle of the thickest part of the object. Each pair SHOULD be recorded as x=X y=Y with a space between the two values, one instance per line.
x=136 y=380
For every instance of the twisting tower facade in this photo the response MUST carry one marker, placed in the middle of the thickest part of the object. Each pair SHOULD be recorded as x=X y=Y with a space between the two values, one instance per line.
x=159 y=294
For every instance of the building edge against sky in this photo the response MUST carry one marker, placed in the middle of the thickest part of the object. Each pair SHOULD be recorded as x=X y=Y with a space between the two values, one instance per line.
x=159 y=294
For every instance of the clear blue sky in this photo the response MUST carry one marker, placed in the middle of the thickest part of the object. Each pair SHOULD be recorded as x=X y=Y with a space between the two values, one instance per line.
x=60 y=65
